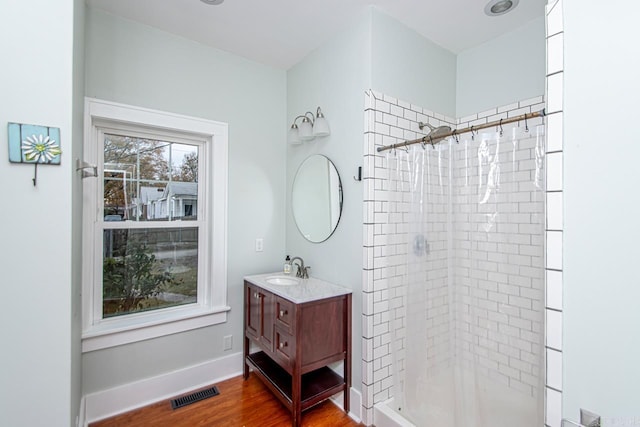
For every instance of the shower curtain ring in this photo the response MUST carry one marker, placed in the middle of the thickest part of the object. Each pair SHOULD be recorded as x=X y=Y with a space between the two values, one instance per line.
x=455 y=136
x=501 y=130
x=431 y=142
x=424 y=147
x=526 y=125
x=473 y=138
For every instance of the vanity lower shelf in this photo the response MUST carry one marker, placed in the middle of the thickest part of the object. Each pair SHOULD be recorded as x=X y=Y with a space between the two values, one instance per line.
x=316 y=385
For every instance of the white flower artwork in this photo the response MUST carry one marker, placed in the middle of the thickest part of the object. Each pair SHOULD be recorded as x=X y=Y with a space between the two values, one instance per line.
x=40 y=148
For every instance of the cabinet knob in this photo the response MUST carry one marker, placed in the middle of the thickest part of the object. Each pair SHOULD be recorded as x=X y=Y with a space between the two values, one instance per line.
x=283 y=344
x=283 y=313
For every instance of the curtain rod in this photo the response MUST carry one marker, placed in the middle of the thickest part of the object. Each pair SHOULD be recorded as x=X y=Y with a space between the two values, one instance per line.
x=426 y=140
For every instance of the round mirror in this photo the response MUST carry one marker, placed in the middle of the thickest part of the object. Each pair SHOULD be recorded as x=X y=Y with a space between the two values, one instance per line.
x=316 y=198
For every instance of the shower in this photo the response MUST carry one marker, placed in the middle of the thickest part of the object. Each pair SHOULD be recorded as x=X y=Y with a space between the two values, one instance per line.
x=461 y=244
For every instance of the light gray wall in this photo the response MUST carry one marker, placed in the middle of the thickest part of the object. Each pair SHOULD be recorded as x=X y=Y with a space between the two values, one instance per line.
x=601 y=276
x=334 y=77
x=503 y=70
x=36 y=47
x=76 y=198
x=410 y=67
x=139 y=65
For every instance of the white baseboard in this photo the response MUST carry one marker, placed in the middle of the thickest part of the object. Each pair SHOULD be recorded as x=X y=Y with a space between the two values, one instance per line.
x=81 y=420
x=107 y=403
x=355 y=404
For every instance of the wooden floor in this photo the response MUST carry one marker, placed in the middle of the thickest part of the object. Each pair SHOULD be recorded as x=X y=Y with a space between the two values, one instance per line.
x=240 y=403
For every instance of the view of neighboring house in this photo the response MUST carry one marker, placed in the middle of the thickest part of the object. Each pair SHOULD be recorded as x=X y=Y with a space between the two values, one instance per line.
x=148 y=195
x=176 y=200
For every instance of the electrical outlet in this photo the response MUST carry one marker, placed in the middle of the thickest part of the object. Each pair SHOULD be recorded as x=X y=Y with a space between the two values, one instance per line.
x=227 y=342
x=259 y=244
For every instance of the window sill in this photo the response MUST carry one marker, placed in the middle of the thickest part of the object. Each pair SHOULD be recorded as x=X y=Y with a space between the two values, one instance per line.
x=129 y=329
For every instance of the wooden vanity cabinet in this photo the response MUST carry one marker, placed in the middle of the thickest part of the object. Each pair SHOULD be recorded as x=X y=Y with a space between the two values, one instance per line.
x=292 y=345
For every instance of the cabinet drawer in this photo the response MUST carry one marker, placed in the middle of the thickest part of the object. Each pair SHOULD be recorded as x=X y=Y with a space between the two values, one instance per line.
x=284 y=346
x=285 y=316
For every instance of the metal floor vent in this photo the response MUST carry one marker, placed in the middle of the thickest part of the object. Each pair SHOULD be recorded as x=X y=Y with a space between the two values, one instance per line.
x=194 y=397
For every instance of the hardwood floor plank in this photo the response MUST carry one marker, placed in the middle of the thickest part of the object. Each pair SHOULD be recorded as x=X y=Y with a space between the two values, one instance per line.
x=240 y=404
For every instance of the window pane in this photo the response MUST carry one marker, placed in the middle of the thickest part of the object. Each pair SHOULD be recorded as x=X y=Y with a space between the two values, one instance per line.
x=149 y=180
x=148 y=269
x=184 y=162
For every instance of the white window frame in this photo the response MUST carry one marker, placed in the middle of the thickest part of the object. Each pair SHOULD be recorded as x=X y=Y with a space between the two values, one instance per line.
x=211 y=307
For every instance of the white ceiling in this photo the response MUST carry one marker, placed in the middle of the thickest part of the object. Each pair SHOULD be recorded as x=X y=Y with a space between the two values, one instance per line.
x=282 y=32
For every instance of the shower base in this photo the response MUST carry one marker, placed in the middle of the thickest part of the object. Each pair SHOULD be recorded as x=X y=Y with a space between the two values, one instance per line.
x=505 y=407
x=385 y=416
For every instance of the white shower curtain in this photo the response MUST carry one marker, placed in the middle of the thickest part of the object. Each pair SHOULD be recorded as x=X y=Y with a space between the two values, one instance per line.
x=465 y=286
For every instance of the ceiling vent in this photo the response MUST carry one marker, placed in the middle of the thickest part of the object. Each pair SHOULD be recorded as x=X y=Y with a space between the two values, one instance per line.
x=498 y=7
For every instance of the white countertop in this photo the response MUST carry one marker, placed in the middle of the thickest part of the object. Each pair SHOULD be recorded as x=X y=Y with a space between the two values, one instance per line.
x=310 y=289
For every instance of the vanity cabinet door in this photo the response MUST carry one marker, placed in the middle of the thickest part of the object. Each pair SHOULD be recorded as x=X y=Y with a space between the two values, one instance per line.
x=253 y=311
x=268 y=318
x=260 y=315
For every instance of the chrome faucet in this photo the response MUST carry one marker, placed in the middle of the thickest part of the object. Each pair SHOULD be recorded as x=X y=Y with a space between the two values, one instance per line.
x=301 y=270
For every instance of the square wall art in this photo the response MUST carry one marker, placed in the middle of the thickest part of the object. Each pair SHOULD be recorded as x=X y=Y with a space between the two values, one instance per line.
x=34 y=144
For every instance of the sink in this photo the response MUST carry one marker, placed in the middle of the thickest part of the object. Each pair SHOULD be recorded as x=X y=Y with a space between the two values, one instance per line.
x=282 y=280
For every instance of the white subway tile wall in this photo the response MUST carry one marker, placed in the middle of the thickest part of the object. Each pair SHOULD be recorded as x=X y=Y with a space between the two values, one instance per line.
x=555 y=221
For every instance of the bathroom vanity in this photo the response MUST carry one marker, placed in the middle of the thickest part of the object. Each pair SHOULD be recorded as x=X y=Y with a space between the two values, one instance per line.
x=292 y=332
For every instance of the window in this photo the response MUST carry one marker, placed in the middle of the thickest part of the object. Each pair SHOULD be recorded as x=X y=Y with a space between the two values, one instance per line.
x=154 y=232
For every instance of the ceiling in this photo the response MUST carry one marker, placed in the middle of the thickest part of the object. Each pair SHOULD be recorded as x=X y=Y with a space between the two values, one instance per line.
x=282 y=32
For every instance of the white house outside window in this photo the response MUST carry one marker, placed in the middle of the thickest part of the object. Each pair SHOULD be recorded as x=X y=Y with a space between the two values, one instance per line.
x=154 y=232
